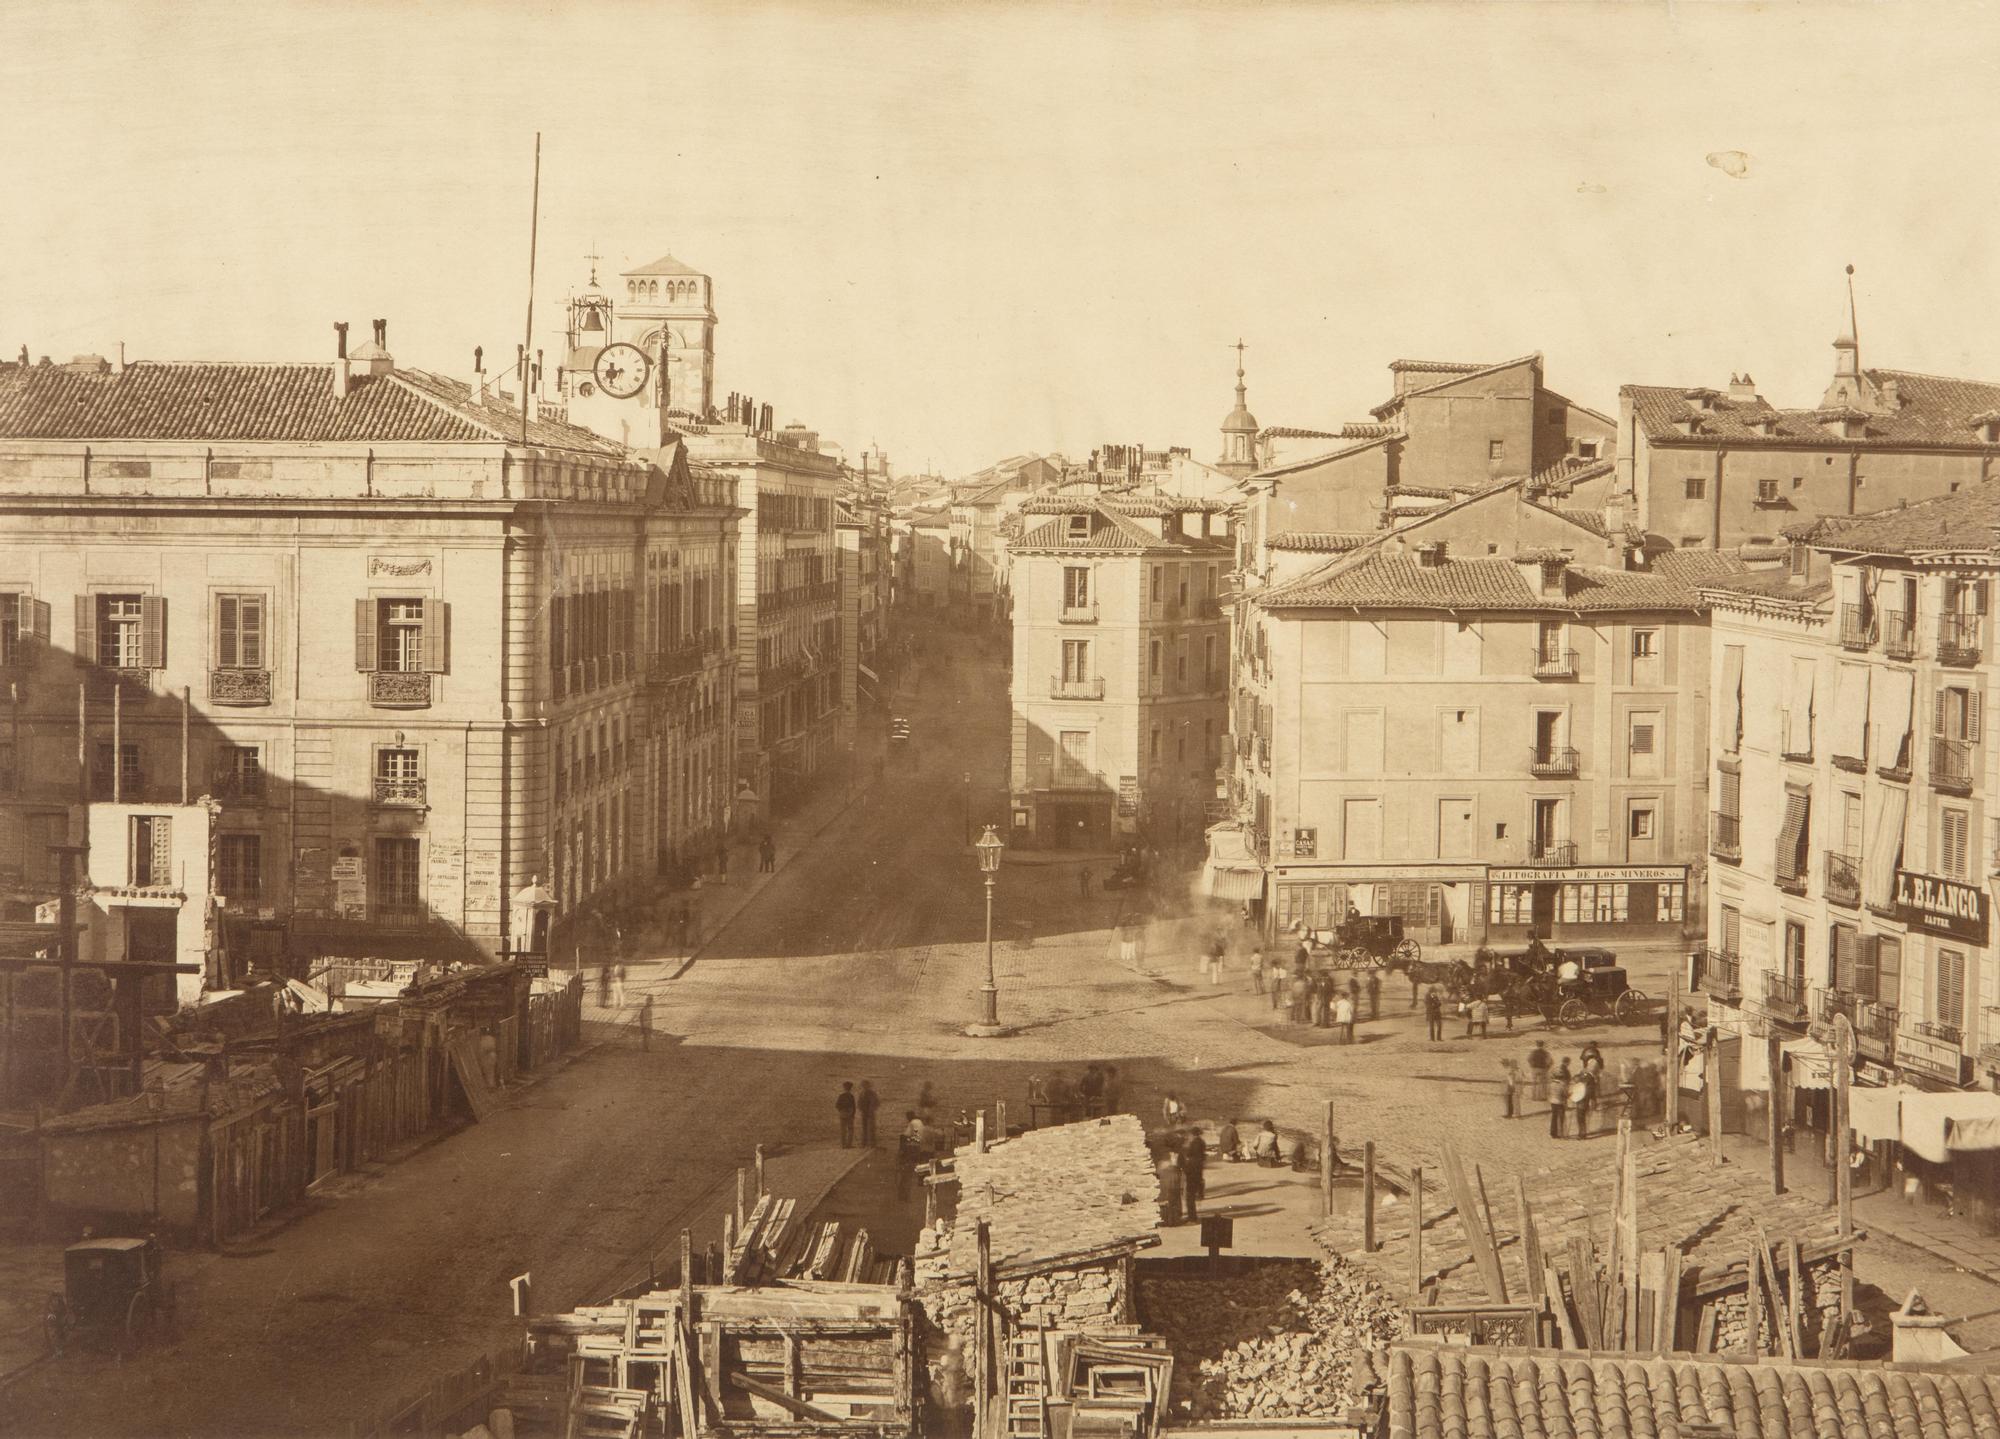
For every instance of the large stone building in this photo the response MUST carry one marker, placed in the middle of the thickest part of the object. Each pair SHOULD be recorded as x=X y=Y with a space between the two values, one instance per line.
x=1855 y=834
x=641 y=369
x=434 y=649
x=1721 y=467
x=1121 y=668
x=1483 y=721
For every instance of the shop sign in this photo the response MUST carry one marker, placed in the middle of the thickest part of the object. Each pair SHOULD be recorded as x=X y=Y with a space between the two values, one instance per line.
x=1925 y=1055
x=1358 y=873
x=1128 y=794
x=1941 y=906
x=1617 y=874
x=1868 y=1073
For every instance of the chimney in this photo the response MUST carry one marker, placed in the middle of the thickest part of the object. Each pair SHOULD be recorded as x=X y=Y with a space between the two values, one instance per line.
x=479 y=374
x=1742 y=389
x=1892 y=393
x=340 y=366
x=382 y=333
x=118 y=368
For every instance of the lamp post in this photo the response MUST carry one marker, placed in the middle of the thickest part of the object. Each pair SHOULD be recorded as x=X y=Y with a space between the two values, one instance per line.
x=965 y=807
x=990 y=846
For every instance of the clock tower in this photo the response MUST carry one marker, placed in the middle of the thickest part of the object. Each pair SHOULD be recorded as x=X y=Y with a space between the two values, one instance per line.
x=642 y=354
x=669 y=309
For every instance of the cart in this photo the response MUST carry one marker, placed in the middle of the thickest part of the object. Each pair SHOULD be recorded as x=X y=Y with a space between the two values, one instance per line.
x=1375 y=939
x=1601 y=991
x=115 y=1293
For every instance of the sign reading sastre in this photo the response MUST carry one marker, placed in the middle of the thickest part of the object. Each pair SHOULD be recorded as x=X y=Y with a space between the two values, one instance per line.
x=1941 y=906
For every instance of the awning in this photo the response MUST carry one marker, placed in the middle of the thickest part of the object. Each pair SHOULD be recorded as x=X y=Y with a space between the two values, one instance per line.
x=1889 y=714
x=1885 y=845
x=1975 y=1127
x=1231 y=881
x=1931 y=1122
x=1850 y=712
x=868 y=673
x=1807 y=1064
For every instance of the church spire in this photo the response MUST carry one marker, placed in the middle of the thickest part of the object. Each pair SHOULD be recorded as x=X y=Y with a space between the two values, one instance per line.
x=1239 y=428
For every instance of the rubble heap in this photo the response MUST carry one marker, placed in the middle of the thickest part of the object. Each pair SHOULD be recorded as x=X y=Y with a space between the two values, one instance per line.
x=1285 y=1340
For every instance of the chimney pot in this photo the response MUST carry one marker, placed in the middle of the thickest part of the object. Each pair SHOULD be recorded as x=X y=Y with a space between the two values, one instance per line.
x=382 y=333
x=340 y=346
x=478 y=357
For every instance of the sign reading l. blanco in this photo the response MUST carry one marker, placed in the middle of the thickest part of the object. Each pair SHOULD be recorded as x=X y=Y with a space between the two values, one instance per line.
x=1942 y=906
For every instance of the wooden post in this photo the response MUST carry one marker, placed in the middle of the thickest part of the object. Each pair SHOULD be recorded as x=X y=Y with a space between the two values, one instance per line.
x=1843 y=1170
x=979 y=1131
x=1628 y=1230
x=1753 y=1301
x=760 y=1171
x=1673 y=1065
x=982 y=1330
x=1000 y=1117
x=1531 y=1243
x=1792 y=1267
x=741 y=1181
x=1711 y=1076
x=1368 y=1197
x=1774 y=1097
x=1326 y=1162
x=1416 y=1235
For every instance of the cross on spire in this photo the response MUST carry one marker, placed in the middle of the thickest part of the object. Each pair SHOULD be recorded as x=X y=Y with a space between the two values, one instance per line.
x=1239 y=348
x=593 y=258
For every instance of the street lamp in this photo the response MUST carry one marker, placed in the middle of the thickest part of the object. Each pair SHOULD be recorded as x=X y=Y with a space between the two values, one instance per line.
x=990 y=846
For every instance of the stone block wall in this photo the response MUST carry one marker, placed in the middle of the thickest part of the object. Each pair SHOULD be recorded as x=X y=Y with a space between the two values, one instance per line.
x=1819 y=1303
x=136 y=1174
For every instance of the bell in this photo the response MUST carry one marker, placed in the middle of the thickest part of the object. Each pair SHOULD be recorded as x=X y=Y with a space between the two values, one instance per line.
x=592 y=320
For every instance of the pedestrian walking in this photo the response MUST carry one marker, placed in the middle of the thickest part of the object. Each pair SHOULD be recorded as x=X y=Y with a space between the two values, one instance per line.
x=618 y=985
x=1374 y=994
x=1343 y=1016
x=1301 y=998
x=646 y=1023
x=1511 y=1088
x=1538 y=1072
x=1257 y=969
x=1172 y=1180
x=767 y=855
x=722 y=861
x=1194 y=1161
x=1416 y=983
x=866 y=1103
x=1559 y=1084
x=604 y=987
x=1434 y=1013
x=1280 y=985
x=1083 y=882
x=1128 y=945
x=1583 y=1094
x=843 y=1105
x=1172 y=1111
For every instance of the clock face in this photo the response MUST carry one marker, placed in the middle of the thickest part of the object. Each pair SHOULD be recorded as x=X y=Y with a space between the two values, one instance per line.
x=622 y=370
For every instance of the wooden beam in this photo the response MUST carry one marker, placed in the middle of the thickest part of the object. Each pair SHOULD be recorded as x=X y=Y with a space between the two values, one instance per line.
x=1843 y=1168
x=1531 y=1244
x=1774 y=1101
x=1711 y=1075
x=1753 y=1304
x=1467 y=1205
x=1792 y=1296
x=1368 y=1197
x=1628 y=1231
x=784 y=1401
x=1326 y=1152
x=1416 y=1234
x=982 y=1329
x=1666 y=1328
x=1673 y=1064
x=1565 y=1329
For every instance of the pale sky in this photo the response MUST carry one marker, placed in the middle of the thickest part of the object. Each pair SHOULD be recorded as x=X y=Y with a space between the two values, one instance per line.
x=971 y=231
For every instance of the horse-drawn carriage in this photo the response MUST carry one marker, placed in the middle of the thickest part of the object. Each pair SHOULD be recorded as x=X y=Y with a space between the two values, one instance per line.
x=1600 y=990
x=1370 y=940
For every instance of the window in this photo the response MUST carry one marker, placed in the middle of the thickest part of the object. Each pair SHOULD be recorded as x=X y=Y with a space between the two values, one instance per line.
x=1159 y=582
x=239 y=861
x=1645 y=644
x=152 y=849
x=1767 y=492
x=1496 y=449
x=10 y=626
x=1075 y=661
x=1181 y=663
x=1696 y=487
x=410 y=636
x=1642 y=735
x=239 y=632
x=1079 y=527
x=396 y=764
x=1076 y=587
x=1588 y=449
x=1795 y=952
x=1153 y=745
x=1948 y=987
x=1073 y=757
x=1153 y=661
x=1642 y=824
x=1181 y=594
x=121 y=631
x=129 y=774
x=397 y=888
x=241 y=772
x=1952 y=846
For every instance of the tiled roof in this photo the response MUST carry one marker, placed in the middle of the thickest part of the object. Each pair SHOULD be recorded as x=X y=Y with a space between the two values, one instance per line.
x=1150 y=505
x=1110 y=530
x=1934 y=411
x=1422 y=492
x=1321 y=541
x=1289 y=432
x=665 y=265
x=233 y=401
x=1445 y=1392
x=1957 y=522
x=1394 y=580
x=1309 y=461
x=1592 y=520
x=1056 y=1191
x=1451 y=374
x=1567 y=471
x=1772 y=583
x=1438 y=367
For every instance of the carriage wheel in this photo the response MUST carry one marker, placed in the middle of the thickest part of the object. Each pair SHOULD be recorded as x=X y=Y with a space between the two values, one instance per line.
x=55 y=1323
x=1630 y=1007
x=1573 y=1013
x=138 y=1322
x=1409 y=951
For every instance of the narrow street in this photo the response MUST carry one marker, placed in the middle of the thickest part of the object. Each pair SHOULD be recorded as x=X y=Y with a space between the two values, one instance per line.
x=861 y=959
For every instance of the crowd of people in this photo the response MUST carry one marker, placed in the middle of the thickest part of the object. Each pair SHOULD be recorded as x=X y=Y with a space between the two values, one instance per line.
x=1575 y=1092
x=1308 y=992
x=1181 y=1155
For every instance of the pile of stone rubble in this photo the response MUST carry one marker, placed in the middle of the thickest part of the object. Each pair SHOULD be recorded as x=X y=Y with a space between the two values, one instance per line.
x=1285 y=1340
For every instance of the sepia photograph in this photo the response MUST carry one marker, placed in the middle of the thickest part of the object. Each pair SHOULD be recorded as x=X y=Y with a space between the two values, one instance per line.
x=825 y=719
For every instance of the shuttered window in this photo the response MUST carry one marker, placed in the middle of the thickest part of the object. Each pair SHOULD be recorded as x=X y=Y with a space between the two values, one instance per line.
x=1948 y=987
x=1843 y=957
x=1730 y=788
x=239 y=632
x=1793 y=835
x=152 y=849
x=1952 y=842
x=407 y=636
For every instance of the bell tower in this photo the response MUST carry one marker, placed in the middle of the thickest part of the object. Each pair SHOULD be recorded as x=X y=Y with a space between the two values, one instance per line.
x=1239 y=430
x=668 y=310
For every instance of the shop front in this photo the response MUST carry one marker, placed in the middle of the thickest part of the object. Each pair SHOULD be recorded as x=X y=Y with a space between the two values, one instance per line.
x=1438 y=903
x=1594 y=902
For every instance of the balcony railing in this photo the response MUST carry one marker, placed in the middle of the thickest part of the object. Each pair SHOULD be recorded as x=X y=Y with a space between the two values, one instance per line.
x=1899 y=635
x=1079 y=689
x=1843 y=878
x=1857 y=627
x=403 y=793
x=1718 y=973
x=1785 y=996
x=1549 y=760
x=1263 y=752
x=673 y=664
x=1958 y=639
x=1940 y=1030
x=1079 y=614
x=1989 y=1035
x=1951 y=765
x=399 y=689
x=1725 y=836
x=243 y=785
x=1555 y=664
x=239 y=687
x=1553 y=855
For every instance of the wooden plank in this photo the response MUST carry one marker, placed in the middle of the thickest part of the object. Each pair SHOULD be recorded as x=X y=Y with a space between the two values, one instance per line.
x=1774 y=1107
x=1645 y=1317
x=1666 y=1324
x=1628 y=1221
x=711 y=1367
x=1475 y=1231
x=1753 y=1304
x=784 y=1401
x=1785 y=1335
x=1583 y=1284
x=1565 y=1329
x=1531 y=1243
x=1711 y=1078
x=1792 y=1294
x=1417 y=1237
x=1368 y=1197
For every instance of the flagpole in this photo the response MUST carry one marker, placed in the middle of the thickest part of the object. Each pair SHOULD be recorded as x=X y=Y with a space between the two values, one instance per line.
x=534 y=228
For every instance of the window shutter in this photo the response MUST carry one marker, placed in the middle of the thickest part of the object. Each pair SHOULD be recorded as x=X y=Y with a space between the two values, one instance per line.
x=163 y=849
x=437 y=637
x=86 y=629
x=1979 y=597
x=32 y=621
x=1867 y=967
x=1951 y=987
x=1972 y=716
x=1843 y=958
x=250 y=642
x=153 y=631
x=226 y=631
x=364 y=636
x=557 y=617
x=1940 y=712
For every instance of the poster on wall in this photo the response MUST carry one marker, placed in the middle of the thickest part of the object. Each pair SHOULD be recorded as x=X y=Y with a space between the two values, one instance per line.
x=481 y=871
x=447 y=879
x=350 y=887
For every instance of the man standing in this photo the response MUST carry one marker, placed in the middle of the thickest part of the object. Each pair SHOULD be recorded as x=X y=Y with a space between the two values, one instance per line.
x=1343 y=1015
x=1538 y=1071
x=1083 y=882
x=1374 y=994
x=1434 y=1013
x=843 y=1105
x=1257 y=968
x=1476 y=1016
x=767 y=855
x=1194 y=1160
x=868 y=1102
x=721 y=861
